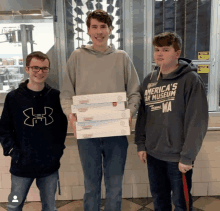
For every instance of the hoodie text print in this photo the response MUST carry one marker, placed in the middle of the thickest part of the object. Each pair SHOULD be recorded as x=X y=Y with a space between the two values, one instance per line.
x=173 y=116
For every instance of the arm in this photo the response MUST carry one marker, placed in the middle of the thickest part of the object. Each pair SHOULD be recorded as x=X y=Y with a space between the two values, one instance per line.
x=132 y=86
x=68 y=91
x=140 y=135
x=64 y=122
x=68 y=87
x=7 y=138
x=195 y=123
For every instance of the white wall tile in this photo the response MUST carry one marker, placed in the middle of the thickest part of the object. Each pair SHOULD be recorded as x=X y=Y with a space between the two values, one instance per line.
x=200 y=189
x=33 y=194
x=66 y=152
x=73 y=151
x=137 y=164
x=148 y=191
x=197 y=175
x=4 y=193
x=34 y=185
x=202 y=164
x=210 y=174
x=6 y=180
x=214 y=163
x=66 y=193
x=214 y=188
x=4 y=169
x=128 y=165
x=140 y=190
x=132 y=176
x=70 y=179
x=76 y=167
x=211 y=156
x=78 y=192
x=127 y=191
x=81 y=178
x=5 y=161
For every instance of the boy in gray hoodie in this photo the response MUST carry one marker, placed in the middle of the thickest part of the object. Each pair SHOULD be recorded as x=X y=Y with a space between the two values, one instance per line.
x=99 y=69
x=172 y=122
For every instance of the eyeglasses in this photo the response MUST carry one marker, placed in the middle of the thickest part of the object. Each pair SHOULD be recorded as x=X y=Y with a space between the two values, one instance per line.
x=36 y=69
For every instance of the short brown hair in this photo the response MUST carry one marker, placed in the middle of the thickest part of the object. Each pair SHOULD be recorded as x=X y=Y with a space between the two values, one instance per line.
x=38 y=55
x=101 y=16
x=167 y=39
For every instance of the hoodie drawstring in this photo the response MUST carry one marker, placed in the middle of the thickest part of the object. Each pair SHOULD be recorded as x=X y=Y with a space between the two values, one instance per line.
x=159 y=72
x=152 y=72
x=58 y=181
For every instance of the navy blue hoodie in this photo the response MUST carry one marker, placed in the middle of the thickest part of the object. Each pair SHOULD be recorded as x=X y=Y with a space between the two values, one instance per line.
x=33 y=129
x=173 y=116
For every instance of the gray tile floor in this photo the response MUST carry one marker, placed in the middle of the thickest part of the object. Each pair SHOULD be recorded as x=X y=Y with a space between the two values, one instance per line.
x=211 y=203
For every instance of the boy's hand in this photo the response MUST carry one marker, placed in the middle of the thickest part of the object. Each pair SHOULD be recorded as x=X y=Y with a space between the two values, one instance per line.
x=142 y=156
x=184 y=168
x=73 y=119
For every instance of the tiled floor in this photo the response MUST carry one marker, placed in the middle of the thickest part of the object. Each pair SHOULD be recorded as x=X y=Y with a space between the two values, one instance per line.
x=141 y=204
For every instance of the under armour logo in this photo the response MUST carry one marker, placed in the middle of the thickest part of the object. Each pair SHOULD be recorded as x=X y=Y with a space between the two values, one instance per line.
x=31 y=117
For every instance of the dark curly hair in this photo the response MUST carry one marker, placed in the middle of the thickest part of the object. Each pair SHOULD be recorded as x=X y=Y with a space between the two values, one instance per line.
x=101 y=16
x=167 y=39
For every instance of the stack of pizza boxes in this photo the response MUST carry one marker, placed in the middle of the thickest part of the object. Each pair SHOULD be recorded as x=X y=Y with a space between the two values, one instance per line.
x=97 y=117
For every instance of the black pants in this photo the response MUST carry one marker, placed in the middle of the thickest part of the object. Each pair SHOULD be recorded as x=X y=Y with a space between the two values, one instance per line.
x=165 y=177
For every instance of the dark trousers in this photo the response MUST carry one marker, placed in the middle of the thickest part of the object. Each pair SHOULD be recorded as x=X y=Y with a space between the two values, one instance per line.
x=165 y=177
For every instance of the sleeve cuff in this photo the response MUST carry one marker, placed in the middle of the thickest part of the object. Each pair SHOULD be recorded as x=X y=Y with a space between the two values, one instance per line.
x=141 y=148
x=133 y=111
x=186 y=161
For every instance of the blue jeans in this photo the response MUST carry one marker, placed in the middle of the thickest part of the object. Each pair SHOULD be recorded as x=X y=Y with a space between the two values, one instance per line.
x=47 y=186
x=114 y=152
x=165 y=177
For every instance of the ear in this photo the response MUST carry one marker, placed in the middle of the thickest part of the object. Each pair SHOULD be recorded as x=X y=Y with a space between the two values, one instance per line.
x=110 y=30
x=88 y=31
x=178 y=52
x=26 y=69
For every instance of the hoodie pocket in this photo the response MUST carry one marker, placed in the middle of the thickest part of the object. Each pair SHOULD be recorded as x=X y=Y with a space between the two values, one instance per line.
x=158 y=139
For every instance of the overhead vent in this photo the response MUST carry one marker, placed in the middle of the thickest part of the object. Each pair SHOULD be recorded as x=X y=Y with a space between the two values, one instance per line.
x=42 y=8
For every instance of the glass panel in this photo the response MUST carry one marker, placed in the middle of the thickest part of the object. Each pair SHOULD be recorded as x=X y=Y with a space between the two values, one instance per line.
x=40 y=37
x=188 y=18
x=76 y=14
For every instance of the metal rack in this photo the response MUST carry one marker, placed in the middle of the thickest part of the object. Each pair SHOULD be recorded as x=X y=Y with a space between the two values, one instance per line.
x=76 y=12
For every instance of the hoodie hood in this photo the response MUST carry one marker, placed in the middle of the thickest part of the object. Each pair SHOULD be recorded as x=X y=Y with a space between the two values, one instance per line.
x=23 y=90
x=110 y=49
x=185 y=66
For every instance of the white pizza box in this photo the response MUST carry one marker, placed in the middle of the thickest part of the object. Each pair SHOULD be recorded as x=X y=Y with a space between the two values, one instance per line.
x=97 y=106
x=102 y=124
x=99 y=98
x=105 y=132
x=102 y=115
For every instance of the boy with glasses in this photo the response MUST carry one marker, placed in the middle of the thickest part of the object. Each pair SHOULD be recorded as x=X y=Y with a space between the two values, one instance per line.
x=96 y=69
x=33 y=129
x=172 y=122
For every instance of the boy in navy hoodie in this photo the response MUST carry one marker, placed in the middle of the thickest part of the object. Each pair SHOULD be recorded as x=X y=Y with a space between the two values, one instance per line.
x=33 y=129
x=172 y=122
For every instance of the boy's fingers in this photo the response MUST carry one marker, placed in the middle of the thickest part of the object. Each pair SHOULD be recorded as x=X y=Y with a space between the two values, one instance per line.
x=72 y=117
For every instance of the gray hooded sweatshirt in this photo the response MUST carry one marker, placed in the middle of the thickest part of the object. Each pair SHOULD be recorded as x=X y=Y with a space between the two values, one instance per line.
x=89 y=71
x=173 y=115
